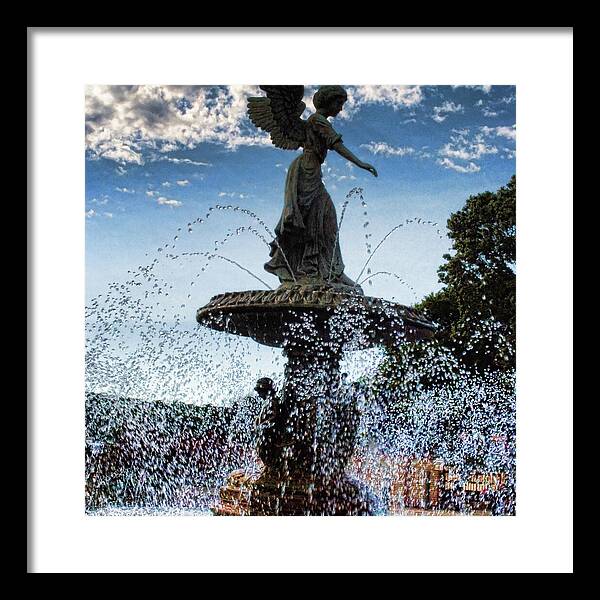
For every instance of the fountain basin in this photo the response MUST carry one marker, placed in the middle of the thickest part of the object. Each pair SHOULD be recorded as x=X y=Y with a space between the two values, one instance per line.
x=331 y=314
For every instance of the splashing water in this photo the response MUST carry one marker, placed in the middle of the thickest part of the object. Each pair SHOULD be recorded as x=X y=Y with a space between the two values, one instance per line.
x=170 y=410
x=357 y=191
x=372 y=253
x=371 y=276
x=262 y=223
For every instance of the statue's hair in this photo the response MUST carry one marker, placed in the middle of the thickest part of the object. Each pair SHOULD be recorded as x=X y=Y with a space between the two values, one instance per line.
x=326 y=93
x=266 y=382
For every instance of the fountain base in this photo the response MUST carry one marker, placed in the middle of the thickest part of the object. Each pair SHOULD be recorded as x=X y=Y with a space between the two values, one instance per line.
x=244 y=496
x=307 y=432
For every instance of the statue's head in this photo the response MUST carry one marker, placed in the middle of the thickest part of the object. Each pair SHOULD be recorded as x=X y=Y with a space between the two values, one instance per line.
x=264 y=387
x=330 y=99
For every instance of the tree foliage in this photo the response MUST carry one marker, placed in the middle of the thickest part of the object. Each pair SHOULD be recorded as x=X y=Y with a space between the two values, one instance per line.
x=476 y=309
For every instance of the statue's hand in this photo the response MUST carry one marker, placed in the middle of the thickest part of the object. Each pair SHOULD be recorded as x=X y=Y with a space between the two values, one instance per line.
x=370 y=168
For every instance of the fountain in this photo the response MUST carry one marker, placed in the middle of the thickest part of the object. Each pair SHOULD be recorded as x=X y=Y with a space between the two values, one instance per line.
x=173 y=428
x=308 y=428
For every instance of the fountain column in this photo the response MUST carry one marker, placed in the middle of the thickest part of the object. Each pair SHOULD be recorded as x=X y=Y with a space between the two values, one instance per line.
x=305 y=444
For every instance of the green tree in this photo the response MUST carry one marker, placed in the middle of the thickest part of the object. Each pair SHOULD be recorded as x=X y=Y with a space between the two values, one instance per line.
x=476 y=309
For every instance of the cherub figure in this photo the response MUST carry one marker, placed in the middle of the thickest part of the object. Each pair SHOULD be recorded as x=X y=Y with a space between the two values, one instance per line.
x=307 y=247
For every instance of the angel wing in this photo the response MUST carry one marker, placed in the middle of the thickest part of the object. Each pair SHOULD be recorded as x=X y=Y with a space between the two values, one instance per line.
x=279 y=114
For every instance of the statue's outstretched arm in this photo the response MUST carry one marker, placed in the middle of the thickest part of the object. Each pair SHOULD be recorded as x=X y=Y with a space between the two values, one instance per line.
x=343 y=151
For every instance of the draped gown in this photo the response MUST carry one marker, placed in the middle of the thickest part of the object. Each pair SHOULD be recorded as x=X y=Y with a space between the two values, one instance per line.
x=307 y=231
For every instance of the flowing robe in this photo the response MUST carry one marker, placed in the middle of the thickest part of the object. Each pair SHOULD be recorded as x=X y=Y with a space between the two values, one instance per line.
x=307 y=232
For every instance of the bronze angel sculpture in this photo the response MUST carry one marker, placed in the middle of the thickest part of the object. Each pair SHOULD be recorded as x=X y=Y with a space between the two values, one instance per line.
x=306 y=249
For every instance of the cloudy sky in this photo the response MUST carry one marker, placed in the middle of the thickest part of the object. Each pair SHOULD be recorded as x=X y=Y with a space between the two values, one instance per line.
x=158 y=157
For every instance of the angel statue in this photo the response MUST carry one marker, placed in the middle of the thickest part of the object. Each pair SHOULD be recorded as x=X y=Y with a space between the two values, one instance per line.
x=306 y=248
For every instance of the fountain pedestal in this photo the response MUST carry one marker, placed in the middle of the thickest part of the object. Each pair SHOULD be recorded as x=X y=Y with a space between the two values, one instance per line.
x=307 y=434
x=307 y=439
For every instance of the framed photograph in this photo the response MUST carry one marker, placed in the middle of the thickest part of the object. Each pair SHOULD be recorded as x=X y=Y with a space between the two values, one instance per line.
x=278 y=308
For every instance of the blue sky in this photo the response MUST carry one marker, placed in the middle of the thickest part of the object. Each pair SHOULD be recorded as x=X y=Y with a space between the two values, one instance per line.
x=158 y=157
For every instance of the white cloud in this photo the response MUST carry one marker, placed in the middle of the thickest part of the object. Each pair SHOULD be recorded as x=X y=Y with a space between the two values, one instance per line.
x=92 y=213
x=151 y=193
x=125 y=190
x=507 y=132
x=128 y=124
x=486 y=89
x=169 y=202
x=232 y=195
x=122 y=122
x=387 y=150
x=396 y=96
x=449 y=164
x=462 y=147
x=168 y=147
x=510 y=133
x=332 y=175
x=118 y=151
x=120 y=170
x=183 y=182
x=440 y=113
x=184 y=161
x=489 y=113
x=166 y=184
